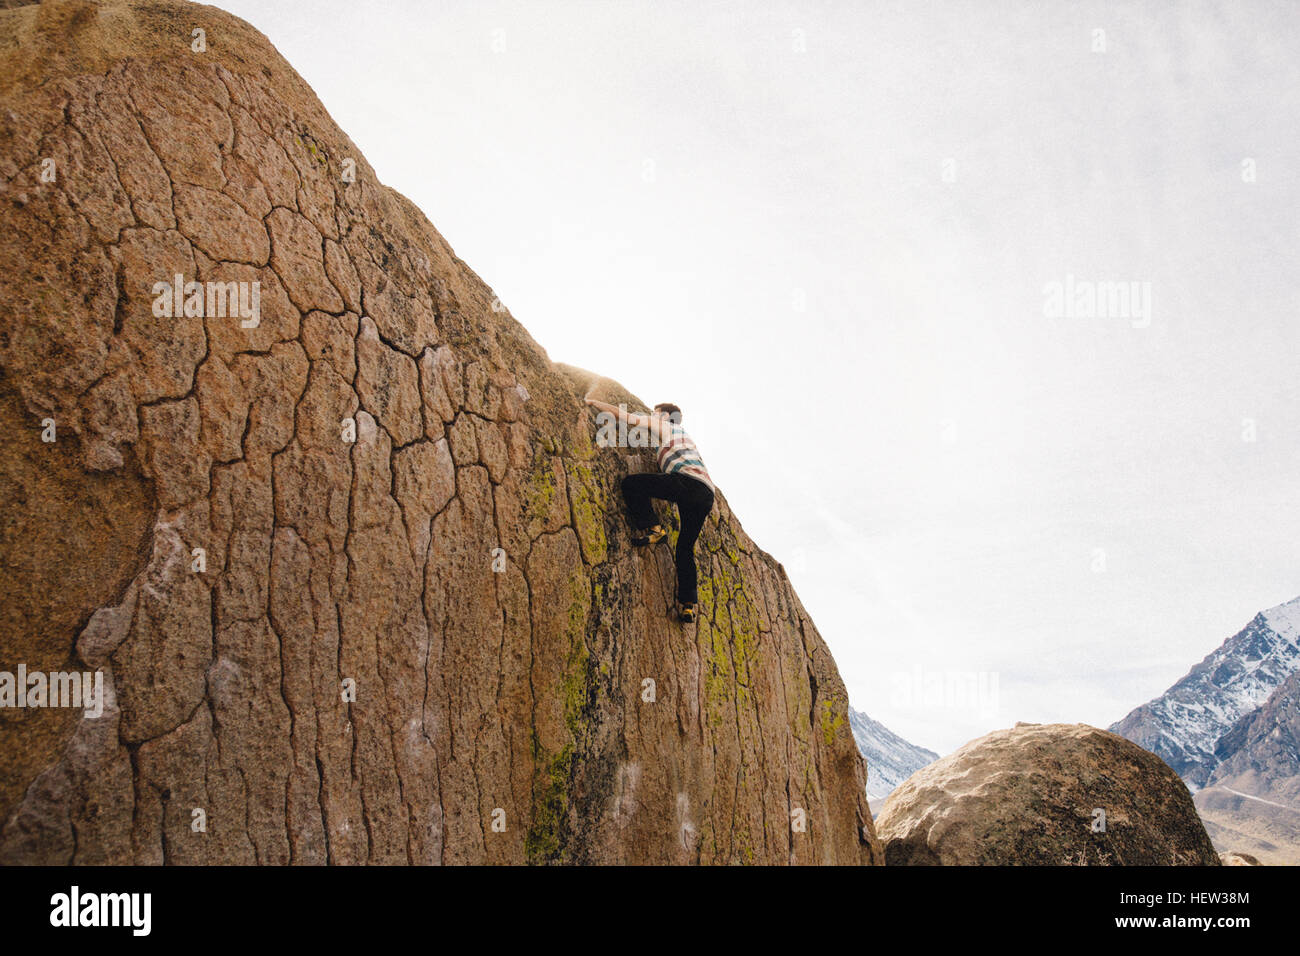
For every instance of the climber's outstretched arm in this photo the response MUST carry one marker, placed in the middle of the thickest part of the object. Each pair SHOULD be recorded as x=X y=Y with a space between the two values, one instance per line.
x=632 y=418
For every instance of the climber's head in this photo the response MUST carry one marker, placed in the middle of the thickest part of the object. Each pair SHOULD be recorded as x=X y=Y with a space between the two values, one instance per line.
x=669 y=411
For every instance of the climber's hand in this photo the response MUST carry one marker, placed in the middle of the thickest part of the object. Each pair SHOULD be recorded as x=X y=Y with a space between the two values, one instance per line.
x=603 y=406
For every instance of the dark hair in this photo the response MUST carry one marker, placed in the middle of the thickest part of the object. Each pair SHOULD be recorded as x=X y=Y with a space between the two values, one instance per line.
x=673 y=412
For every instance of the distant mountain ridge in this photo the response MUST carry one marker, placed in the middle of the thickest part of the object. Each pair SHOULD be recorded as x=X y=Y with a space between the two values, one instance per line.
x=1252 y=800
x=890 y=758
x=1185 y=724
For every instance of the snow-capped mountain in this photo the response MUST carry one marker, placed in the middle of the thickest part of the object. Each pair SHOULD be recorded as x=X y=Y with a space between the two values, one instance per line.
x=1251 y=802
x=890 y=758
x=1183 y=725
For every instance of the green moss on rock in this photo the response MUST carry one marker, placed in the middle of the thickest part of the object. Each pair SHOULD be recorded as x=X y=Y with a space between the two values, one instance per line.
x=588 y=505
x=832 y=720
x=548 y=829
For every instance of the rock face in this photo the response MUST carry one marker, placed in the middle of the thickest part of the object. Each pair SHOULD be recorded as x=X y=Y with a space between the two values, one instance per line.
x=352 y=568
x=1252 y=800
x=1030 y=795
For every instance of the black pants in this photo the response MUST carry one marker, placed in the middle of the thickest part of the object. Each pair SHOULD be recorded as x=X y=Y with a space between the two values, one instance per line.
x=694 y=502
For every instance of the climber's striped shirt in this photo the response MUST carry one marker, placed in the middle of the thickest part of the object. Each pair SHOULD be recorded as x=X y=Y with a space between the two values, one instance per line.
x=679 y=456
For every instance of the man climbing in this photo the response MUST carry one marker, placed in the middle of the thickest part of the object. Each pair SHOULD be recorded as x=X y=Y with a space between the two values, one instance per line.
x=682 y=478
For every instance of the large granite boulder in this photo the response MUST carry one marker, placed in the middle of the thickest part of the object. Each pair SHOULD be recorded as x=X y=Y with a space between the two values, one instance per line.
x=1044 y=794
x=352 y=568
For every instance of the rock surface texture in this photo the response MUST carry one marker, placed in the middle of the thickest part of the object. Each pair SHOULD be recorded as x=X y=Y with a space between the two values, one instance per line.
x=1239 y=859
x=383 y=490
x=1030 y=795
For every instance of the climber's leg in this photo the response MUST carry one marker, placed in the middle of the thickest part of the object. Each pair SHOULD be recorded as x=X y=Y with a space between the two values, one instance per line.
x=694 y=502
x=637 y=492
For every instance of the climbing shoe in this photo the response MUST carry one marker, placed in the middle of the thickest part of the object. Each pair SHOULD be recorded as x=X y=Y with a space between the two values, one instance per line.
x=649 y=536
x=687 y=614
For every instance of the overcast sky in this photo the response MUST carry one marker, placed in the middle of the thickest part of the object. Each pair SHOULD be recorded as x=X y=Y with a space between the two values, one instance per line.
x=829 y=231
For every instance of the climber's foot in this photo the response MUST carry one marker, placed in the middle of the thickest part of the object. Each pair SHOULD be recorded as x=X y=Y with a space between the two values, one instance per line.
x=648 y=536
x=687 y=614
